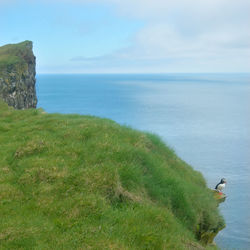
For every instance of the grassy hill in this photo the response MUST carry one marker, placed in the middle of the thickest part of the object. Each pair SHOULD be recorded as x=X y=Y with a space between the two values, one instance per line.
x=81 y=182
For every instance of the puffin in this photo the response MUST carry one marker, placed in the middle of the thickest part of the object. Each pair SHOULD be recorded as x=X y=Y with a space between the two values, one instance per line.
x=221 y=185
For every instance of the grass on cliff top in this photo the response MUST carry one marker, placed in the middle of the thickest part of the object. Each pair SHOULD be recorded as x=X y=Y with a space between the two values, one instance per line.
x=81 y=182
x=11 y=54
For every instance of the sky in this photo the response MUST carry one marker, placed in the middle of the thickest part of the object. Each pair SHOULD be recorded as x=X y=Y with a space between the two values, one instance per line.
x=131 y=36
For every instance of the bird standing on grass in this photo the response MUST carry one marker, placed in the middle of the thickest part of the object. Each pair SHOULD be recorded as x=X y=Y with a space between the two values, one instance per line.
x=221 y=185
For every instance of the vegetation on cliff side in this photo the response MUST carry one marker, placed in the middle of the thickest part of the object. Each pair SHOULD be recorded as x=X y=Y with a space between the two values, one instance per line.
x=81 y=182
x=19 y=53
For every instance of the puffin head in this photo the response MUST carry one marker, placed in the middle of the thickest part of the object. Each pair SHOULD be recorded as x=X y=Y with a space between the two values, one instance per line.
x=223 y=180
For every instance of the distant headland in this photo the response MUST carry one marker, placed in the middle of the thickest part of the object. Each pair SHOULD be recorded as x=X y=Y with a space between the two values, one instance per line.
x=17 y=75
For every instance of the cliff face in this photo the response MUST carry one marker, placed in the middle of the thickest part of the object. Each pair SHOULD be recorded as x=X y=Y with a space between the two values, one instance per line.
x=17 y=75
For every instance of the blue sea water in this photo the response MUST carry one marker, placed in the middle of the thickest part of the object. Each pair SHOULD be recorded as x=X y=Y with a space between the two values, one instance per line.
x=204 y=117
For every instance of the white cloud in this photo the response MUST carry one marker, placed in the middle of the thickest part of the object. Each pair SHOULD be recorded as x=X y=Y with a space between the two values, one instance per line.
x=186 y=35
x=214 y=33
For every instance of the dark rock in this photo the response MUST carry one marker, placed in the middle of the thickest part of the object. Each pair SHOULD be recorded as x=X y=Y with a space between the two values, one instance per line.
x=17 y=75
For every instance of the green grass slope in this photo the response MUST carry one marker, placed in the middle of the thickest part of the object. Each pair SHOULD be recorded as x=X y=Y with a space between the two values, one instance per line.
x=81 y=182
x=12 y=54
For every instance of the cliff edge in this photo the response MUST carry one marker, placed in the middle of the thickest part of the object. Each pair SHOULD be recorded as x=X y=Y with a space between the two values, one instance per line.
x=17 y=75
x=81 y=182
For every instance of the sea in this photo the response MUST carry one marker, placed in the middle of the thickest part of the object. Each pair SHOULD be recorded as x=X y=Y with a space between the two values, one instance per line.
x=205 y=118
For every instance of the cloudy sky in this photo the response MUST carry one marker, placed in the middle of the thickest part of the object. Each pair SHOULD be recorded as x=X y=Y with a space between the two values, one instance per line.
x=131 y=36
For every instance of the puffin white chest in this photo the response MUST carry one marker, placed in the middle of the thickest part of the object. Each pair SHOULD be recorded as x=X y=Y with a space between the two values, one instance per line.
x=221 y=186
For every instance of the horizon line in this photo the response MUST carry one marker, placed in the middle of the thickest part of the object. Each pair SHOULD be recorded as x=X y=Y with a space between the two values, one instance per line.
x=135 y=73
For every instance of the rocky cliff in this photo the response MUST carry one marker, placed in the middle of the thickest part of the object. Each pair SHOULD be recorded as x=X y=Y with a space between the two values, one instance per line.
x=17 y=75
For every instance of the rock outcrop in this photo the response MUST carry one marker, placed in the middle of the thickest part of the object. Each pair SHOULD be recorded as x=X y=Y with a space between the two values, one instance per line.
x=17 y=75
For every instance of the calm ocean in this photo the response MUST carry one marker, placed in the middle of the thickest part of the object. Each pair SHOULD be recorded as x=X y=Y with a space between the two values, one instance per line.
x=204 y=117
